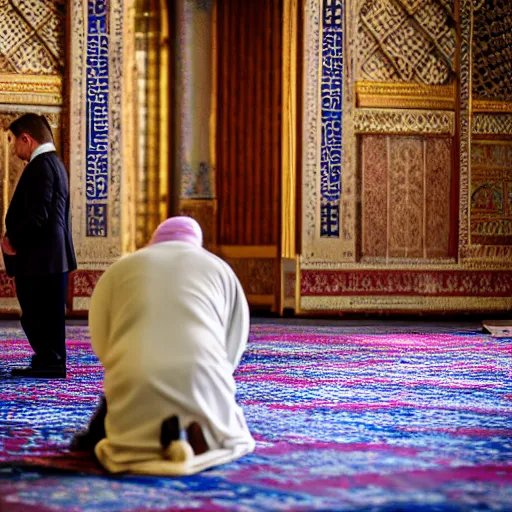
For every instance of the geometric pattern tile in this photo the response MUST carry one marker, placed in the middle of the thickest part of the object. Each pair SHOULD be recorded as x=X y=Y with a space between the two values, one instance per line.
x=32 y=36
x=406 y=40
x=492 y=55
x=406 y=183
x=491 y=194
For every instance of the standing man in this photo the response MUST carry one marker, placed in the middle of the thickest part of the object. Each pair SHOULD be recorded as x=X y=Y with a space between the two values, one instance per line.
x=38 y=246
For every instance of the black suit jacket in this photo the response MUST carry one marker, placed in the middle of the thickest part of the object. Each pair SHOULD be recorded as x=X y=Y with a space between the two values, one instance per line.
x=38 y=221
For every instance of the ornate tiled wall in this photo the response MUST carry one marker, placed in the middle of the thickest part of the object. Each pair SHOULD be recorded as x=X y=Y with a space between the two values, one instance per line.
x=409 y=43
x=396 y=213
x=97 y=144
x=101 y=142
x=96 y=161
x=406 y=41
x=331 y=98
x=33 y=37
x=421 y=213
x=488 y=188
x=102 y=166
x=328 y=174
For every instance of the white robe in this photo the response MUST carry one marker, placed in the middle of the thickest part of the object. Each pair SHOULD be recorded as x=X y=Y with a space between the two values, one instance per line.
x=169 y=323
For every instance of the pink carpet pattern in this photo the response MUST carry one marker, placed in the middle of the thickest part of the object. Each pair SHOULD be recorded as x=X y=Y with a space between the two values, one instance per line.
x=345 y=419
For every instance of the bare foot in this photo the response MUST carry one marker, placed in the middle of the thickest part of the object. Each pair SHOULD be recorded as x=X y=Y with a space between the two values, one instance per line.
x=196 y=438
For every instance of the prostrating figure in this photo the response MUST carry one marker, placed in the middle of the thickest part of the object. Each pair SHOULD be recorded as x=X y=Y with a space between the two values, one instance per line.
x=169 y=323
x=38 y=247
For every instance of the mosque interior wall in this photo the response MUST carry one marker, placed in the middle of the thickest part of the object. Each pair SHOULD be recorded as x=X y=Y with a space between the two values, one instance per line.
x=406 y=222
x=341 y=155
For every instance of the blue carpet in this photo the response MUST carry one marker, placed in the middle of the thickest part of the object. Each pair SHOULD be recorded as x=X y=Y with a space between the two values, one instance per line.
x=344 y=420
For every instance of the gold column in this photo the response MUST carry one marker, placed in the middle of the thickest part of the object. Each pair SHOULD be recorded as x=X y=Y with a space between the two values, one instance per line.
x=163 y=198
x=130 y=138
x=152 y=54
x=213 y=100
x=289 y=150
x=289 y=130
x=153 y=125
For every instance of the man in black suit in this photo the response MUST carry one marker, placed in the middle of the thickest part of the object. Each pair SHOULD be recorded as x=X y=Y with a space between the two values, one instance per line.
x=38 y=246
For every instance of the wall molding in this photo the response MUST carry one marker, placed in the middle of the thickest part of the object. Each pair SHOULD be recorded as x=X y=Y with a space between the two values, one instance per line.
x=492 y=106
x=418 y=122
x=400 y=304
x=405 y=95
x=498 y=125
x=31 y=89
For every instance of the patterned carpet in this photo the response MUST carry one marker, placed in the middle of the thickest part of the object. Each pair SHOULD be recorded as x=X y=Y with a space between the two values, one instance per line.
x=377 y=420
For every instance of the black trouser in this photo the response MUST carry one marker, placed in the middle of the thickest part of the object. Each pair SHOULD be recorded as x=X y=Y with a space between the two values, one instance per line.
x=88 y=439
x=43 y=308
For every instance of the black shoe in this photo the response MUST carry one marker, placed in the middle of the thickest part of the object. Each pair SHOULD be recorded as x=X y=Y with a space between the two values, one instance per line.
x=37 y=362
x=40 y=372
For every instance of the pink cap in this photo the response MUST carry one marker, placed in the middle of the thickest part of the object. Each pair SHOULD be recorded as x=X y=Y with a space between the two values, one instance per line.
x=178 y=229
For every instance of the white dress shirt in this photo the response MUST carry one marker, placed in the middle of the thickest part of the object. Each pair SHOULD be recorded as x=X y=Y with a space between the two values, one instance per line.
x=43 y=148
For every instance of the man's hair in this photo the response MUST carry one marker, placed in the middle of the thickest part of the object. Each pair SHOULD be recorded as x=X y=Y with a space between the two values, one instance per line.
x=35 y=126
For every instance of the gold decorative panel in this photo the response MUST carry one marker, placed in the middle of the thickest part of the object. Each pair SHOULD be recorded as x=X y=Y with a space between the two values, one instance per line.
x=498 y=107
x=375 y=195
x=405 y=95
x=405 y=194
x=406 y=197
x=32 y=36
x=486 y=166
x=406 y=41
x=30 y=89
x=491 y=193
